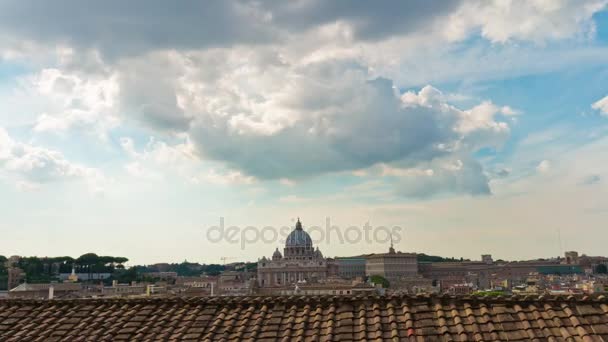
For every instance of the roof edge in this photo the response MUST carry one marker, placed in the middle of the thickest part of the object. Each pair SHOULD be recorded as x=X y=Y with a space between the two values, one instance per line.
x=318 y=299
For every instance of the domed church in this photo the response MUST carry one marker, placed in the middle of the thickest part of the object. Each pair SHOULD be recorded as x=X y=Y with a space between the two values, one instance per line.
x=300 y=262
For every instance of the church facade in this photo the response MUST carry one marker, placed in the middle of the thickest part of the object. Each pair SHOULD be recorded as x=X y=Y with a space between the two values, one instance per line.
x=300 y=262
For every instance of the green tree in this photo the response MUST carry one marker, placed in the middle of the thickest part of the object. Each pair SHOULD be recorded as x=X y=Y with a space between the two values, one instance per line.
x=376 y=279
x=125 y=276
x=3 y=273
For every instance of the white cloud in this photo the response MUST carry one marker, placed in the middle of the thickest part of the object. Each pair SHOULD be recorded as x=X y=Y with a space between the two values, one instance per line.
x=601 y=105
x=137 y=170
x=268 y=117
x=534 y=20
x=544 y=166
x=289 y=91
x=73 y=100
x=34 y=166
x=157 y=158
x=223 y=178
x=159 y=152
x=330 y=117
x=506 y=110
x=439 y=176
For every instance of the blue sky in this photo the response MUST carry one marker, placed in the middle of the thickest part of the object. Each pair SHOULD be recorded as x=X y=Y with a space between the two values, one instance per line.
x=478 y=126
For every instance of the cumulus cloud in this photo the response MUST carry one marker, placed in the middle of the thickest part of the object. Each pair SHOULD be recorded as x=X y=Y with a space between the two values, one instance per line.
x=266 y=117
x=544 y=166
x=223 y=178
x=601 y=106
x=446 y=177
x=276 y=119
x=120 y=28
x=275 y=90
x=367 y=20
x=73 y=100
x=159 y=152
x=155 y=157
x=34 y=166
x=535 y=20
x=138 y=27
x=338 y=120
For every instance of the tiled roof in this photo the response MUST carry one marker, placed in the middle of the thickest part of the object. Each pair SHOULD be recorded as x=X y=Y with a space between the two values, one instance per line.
x=361 y=318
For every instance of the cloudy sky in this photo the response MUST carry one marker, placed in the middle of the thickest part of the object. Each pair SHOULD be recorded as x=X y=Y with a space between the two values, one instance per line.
x=129 y=128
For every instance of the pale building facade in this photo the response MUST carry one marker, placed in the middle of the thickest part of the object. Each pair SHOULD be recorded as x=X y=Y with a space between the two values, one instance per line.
x=300 y=262
x=392 y=265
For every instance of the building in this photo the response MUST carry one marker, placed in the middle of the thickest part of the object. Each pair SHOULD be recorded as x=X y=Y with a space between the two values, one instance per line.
x=197 y=286
x=204 y=281
x=334 y=289
x=124 y=290
x=84 y=276
x=234 y=283
x=461 y=289
x=303 y=318
x=15 y=276
x=299 y=262
x=44 y=291
x=351 y=267
x=162 y=275
x=488 y=274
x=392 y=265
x=571 y=258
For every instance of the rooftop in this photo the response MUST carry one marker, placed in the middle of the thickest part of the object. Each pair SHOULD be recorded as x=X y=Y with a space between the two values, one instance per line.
x=42 y=287
x=314 y=318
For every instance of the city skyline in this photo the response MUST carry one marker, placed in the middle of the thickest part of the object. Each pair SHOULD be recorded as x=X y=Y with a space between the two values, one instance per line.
x=477 y=127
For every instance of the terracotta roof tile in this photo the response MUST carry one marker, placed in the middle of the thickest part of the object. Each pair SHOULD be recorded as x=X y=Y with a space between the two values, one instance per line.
x=364 y=318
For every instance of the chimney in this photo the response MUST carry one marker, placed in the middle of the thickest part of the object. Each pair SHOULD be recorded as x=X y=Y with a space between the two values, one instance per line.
x=51 y=292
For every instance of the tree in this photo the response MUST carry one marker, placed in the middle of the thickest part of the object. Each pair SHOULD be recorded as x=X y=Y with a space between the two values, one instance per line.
x=601 y=269
x=125 y=276
x=376 y=279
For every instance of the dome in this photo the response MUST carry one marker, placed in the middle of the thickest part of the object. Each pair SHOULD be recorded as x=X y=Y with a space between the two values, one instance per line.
x=318 y=253
x=298 y=237
x=276 y=254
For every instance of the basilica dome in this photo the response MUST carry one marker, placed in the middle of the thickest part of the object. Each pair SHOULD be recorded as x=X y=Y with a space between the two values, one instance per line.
x=298 y=237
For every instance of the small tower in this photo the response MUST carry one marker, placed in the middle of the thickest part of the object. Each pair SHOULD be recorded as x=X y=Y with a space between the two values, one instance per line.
x=73 y=277
x=277 y=255
x=391 y=250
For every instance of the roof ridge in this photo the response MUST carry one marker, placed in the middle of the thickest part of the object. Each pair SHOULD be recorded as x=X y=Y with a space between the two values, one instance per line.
x=303 y=299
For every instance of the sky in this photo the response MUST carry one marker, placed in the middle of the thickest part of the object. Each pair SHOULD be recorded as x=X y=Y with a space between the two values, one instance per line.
x=135 y=128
